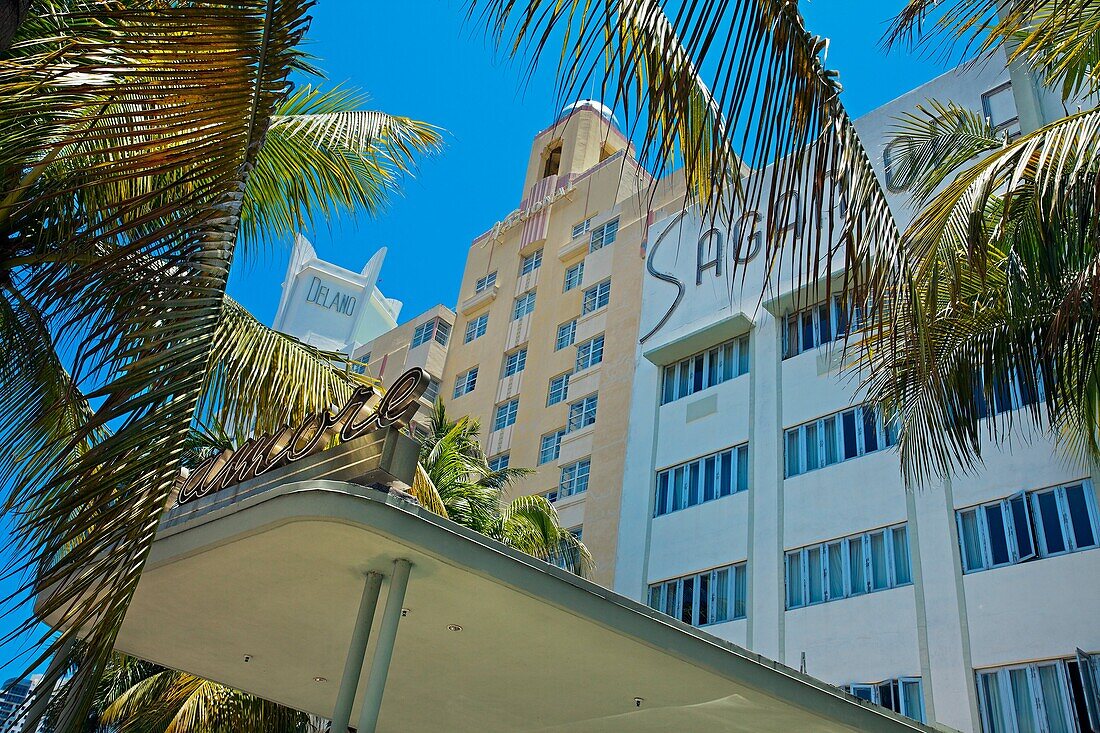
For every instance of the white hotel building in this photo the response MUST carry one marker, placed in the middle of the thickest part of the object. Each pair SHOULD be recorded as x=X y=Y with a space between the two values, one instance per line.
x=762 y=502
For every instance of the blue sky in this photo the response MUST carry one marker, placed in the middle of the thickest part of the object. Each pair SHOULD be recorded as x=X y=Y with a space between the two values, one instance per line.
x=431 y=64
x=424 y=60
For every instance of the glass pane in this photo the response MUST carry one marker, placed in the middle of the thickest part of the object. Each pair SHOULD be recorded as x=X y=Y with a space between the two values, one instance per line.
x=825 y=322
x=678 y=489
x=655 y=597
x=1079 y=517
x=970 y=540
x=879 y=577
x=671 y=588
x=740 y=591
x=912 y=702
x=712 y=367
x=998 y=542
x=836 y=570
x=685 y=377
x=994 y=712
x=864 y=692
x=832 y=450
x=808 y=341
x=902 y=572
x=856 y=566
x=792 y=336
x=1022 y=527
x=710 y=490
x=794 y=580
x=721 y=595
x=725 y=487
x=670 y=385
x=888 y=697
x=1026 y=719
x=848 y=420
x=1054 y=708
x=743 y=355
x=728 y=362
x=662 y=494
x=693 y=484
x=870 y=430
x=816 y=575
x=811 y=446
x=743 y=468
x=704 y=598
x=698 y=373
x=1052 y=526
x=793 y=462
x=687 y=606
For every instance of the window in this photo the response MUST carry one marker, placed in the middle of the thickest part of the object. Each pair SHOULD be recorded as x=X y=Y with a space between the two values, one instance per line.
x=505 y=414
x=530 y=262
x=553 y=161
x=890 y=156
x=903 y=695
x=486 y=282
x=589 y=353
x=596 y=297
x=550 y=447
x=603 y=235
x=499 y=462
x=819 y=324
x=475 y=328
x=515 y=362
x=838 y=437
x=1010 y=391
x=566 y=333
x=999 y=108
x=705 y=369
x=1033 y=698
x=582 y=227
x=847 y=567
x=1028 y=525
x=436 y=328
x=559 y=388
x=360 y=364
x=432 y=391
x=573 y=276
x=551 y=496
x=710 y=597
x=524 y=304
x=704 y=479
x=581 y=413
x=465 y=383
x=574 y=478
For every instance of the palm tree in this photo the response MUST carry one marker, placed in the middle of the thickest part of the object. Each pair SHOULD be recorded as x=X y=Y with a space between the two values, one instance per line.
x=137 y=143
x=454 y=480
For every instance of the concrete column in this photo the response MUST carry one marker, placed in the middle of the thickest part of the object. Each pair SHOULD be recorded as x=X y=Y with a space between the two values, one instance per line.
x=383 y=650
x=357 y=650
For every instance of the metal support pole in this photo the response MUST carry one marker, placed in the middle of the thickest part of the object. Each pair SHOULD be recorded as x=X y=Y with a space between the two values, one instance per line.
x=383 y=650
x=357 y=650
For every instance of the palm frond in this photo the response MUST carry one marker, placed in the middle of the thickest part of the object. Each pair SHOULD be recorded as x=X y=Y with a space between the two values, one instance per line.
x=324 y=156
x=531 y=524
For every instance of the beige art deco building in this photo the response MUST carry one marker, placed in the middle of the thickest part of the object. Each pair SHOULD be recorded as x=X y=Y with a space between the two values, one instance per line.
x=419 y=342
x=543 y=348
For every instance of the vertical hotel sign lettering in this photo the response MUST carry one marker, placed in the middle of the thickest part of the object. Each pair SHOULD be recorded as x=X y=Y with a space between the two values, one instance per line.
x=362 y=414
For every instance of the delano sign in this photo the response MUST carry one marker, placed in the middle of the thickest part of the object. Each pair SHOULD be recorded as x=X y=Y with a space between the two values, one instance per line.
x=362 y=414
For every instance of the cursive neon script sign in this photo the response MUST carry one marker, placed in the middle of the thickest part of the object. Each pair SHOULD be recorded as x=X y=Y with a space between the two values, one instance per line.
x=361 y=415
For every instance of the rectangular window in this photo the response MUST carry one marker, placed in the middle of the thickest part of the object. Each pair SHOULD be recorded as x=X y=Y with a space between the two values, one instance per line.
x=515 y=362
x=499 y=462
x=574 y=478
x=475 y=328
x=581 y=413
x=582 y=227
x=703 y=479
x=711 y=597
x=596 y=297
x=999 y=108
x=550 y=446
x=465 y=382
x=486 y=282
x=705 y=369
x=818 y=324
x=573 y=276
x=531 y=262
x=850 y=566
x=589 y=353
x=551 y=496
x=1028 y=698
x=838 y=437
x=558 y=389
x=603 y=235
x=436 y=328
x=1028 y=525
x=432 y=391
x=524 y=304
x=505 y=414
x=566 y=333
x=903 y=695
